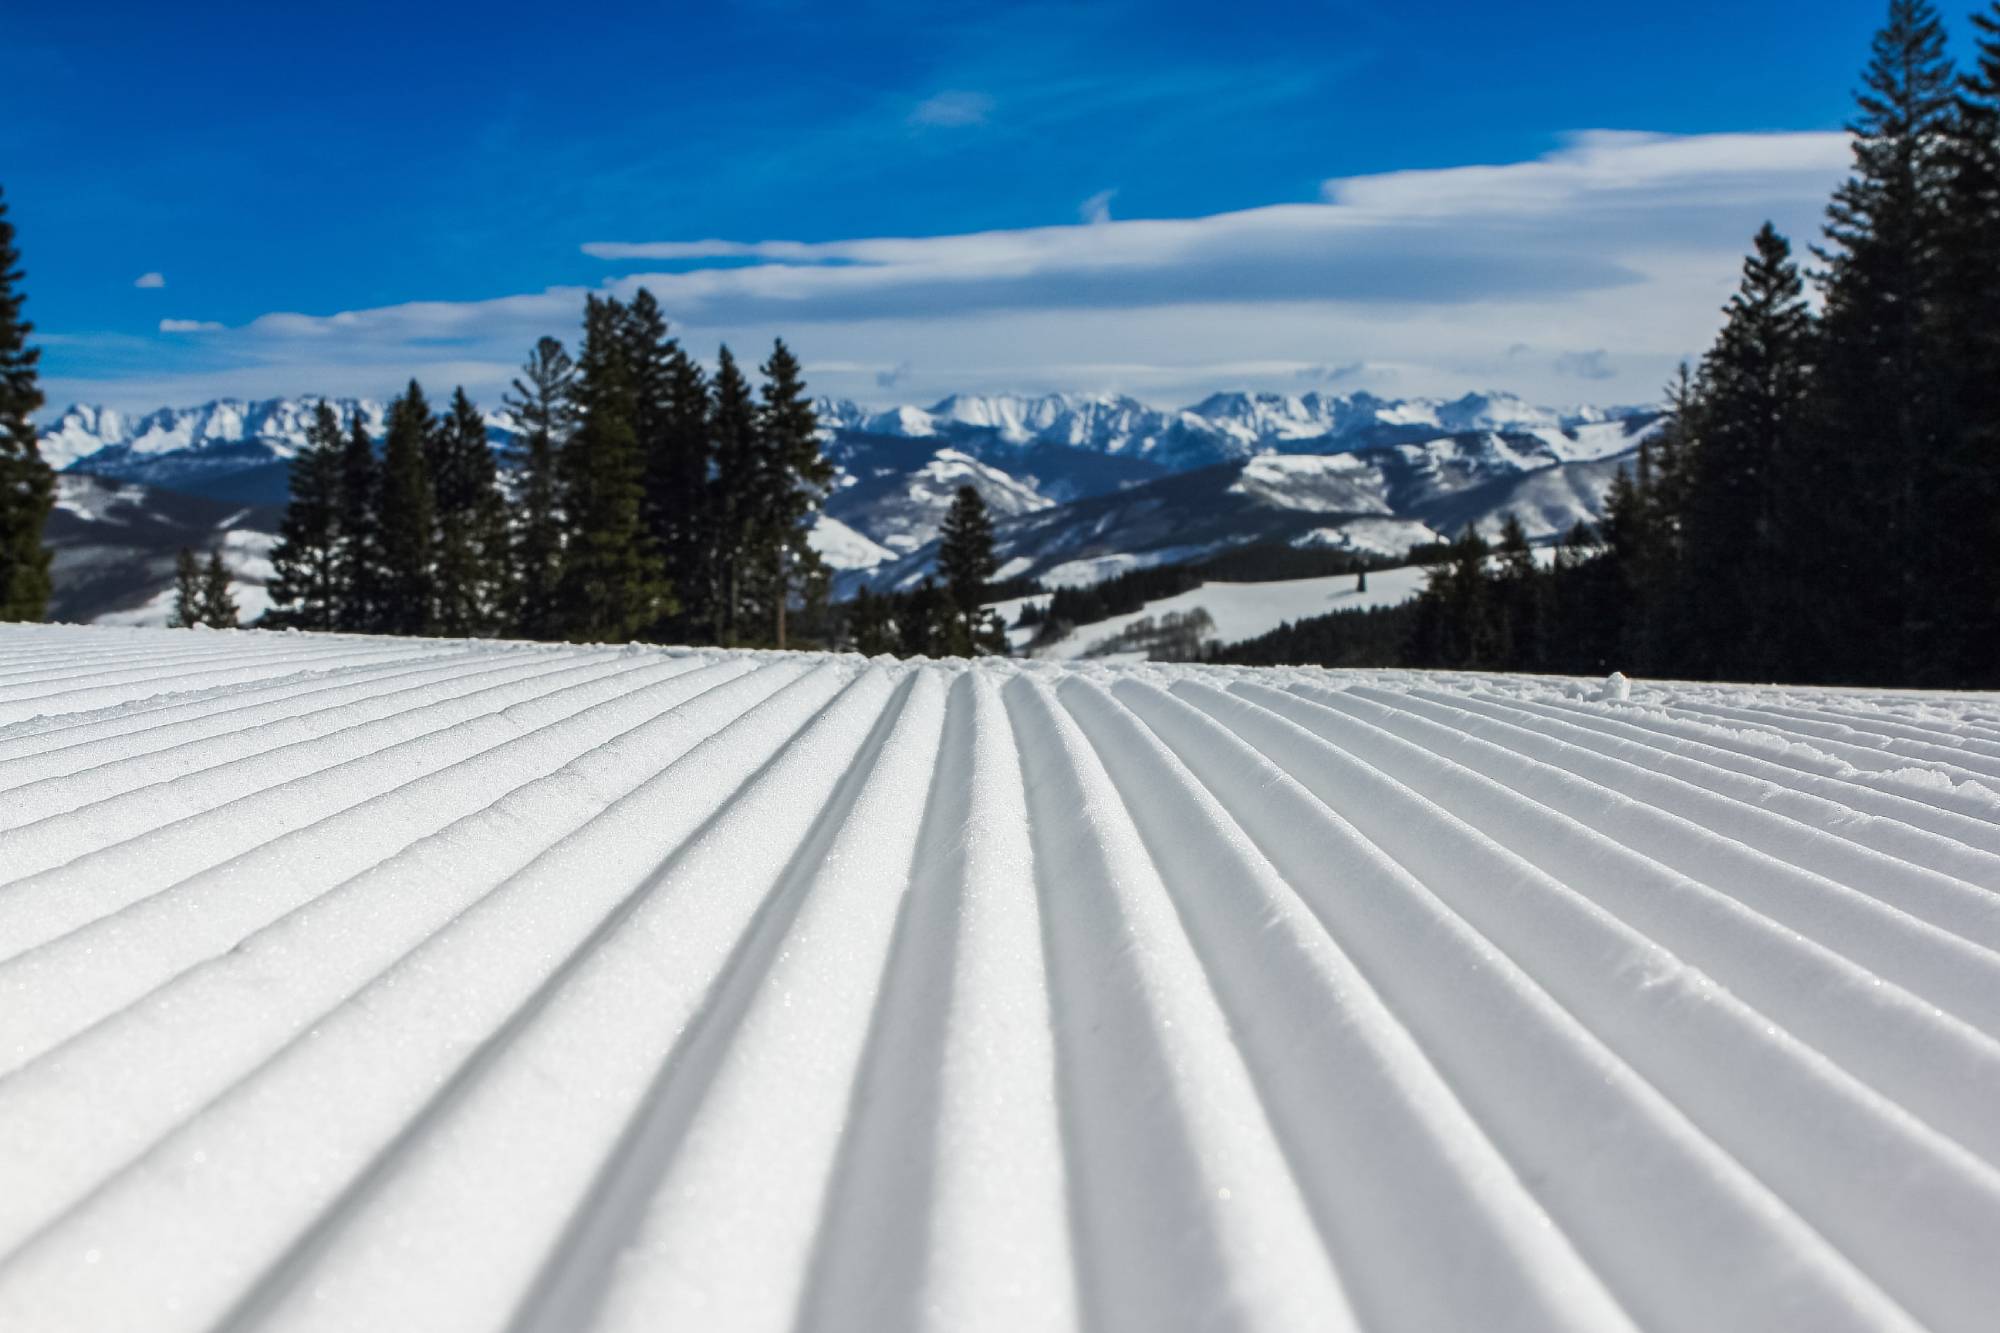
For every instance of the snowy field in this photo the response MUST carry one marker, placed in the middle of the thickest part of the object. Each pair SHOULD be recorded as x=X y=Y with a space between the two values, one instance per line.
x=1240 y=610
x=419 y=985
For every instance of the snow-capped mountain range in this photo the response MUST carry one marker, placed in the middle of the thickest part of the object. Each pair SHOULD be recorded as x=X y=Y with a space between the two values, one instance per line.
x=1227 y=427
x=1221 y=428
x=1078 y=484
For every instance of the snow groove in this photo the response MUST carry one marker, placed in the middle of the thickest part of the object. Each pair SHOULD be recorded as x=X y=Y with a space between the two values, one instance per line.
x=357 y=983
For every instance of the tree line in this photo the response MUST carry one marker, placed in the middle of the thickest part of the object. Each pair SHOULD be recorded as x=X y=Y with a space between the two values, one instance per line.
x=1823 y=505
x=650 y=500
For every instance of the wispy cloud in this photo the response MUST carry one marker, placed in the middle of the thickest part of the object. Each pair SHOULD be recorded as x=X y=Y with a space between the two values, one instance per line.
x=952 y=110
x=1097 y=208
x=1623 y=244
x=190 y=326
x=1591 y=365
x=1352 y=372
x=150 y=280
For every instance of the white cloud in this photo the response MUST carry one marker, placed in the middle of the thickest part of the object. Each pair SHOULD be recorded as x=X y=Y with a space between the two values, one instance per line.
x=189 y=326
x=150 y=280
x=1097 y=208
x=1623 y=244
x=952 y=110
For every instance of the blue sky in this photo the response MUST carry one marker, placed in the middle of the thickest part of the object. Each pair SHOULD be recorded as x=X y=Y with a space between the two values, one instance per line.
x=335 y=197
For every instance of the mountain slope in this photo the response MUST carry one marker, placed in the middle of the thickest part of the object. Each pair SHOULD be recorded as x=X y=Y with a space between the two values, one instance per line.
x=115 y=543
x=1378 y=500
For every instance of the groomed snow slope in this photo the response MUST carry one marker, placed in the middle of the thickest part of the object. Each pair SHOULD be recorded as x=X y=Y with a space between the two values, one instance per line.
x=394 y=984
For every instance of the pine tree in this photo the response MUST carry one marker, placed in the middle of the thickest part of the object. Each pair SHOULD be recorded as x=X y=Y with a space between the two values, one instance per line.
x=1667 y=462
x=871 y=629
x=27 y=485
x=406 y=515
x=733 y=510
x=612 y=585
x=1883 y=410
x=357 y=563
x=471 y=524
x=1963 y=568
x=1586 y=599
x=796 y=477
x=306 y=585
x=670 y=420
x=1520 y=604
x=922 y=621
x=1742 y=516
x=543 y=403
x=190 y=605
x=966 y=561
x=1455 y=620
x=217 y=600
x=1620 y=593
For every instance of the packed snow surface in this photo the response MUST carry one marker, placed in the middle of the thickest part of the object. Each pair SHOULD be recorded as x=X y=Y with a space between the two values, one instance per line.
x=356 y=983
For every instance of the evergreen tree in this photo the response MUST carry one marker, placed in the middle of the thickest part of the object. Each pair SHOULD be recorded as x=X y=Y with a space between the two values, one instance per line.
x=1519 y=601
x=471 y=533
x=612 y=584
x=1455 y=623
x=1963 y=567
x=1622 y=593
x=1743 y=519
x=871 y=631
x=190 y=605
x=965 y=559
x=306 y=585
x=407 y=514
x=923 y=622
x=1883 y=424
x=217 y=600
x=357 y=563
x=795 y=480
x=27 y=485
x=733 y=509
x=543 y=403
x=965 y=549
x=670 y=409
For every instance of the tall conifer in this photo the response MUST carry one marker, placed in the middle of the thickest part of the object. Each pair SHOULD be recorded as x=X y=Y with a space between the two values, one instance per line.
x=27 y=485
x=612 y=585
x=358 y=562
x=733 y=510
x=1745 y=518
x=471 y=556
x=218 y=598
x=542 y=404
x=796 y=478
x=1963 y=569
x=1883 y=426
x=966 y=562
x=305 y=589
x=677 y=489
x=406 y=513
x=190 y=606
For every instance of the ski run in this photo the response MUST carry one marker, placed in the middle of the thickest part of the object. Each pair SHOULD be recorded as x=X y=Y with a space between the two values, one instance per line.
x=396 y=984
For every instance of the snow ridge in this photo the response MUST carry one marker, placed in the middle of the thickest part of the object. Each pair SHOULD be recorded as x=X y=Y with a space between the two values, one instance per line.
x=397 y=983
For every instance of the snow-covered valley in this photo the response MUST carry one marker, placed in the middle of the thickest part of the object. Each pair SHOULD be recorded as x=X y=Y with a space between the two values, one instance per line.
x=393 y=983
